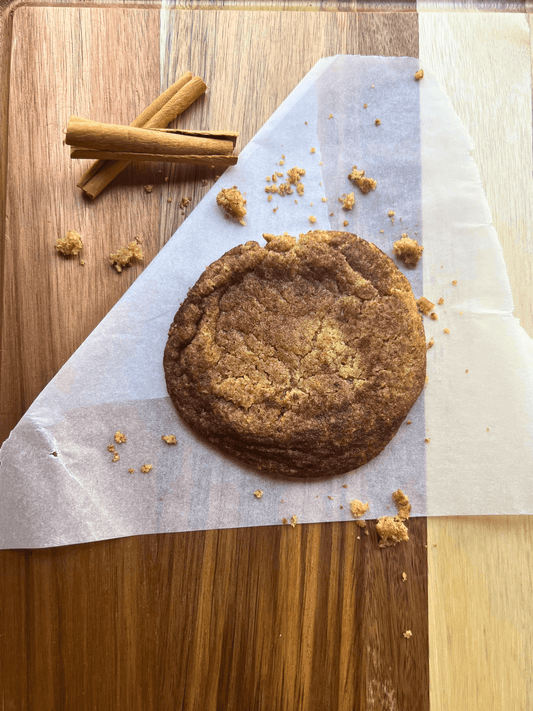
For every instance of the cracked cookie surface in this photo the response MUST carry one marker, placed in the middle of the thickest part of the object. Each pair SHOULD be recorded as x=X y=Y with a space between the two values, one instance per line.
x=301 y=357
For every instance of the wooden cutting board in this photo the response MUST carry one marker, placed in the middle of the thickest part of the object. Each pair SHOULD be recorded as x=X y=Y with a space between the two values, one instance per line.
x=262 y=618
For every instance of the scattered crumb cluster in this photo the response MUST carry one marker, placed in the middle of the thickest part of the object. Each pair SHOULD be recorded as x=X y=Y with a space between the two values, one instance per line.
x=124 y=256
x=232 y=202
x=120 y=438
x=70 y=244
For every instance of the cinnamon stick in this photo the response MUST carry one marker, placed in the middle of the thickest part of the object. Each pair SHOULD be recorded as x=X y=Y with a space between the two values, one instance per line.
x=218 y=161
x=181 y=100
x=141 y=119
x=84 y=133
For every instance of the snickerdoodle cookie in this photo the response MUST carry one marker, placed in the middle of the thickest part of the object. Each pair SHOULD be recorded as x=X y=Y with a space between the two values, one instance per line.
x=300 y=357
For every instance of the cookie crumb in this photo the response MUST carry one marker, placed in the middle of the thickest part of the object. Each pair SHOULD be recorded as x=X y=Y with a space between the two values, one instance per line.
x=124 y=256
x=294 y=520
x=232 y=202
x=330 y=497
x=258 y=494
x=283 y=520
x=378 y=122
x=345 y=486
x=409 y=422
x=185 y=202
x=169 y=199
x=330 y=116
x=312 y=219
x=427 y=440
x=402 y=504
x=407 y=634
x=295 y=174
x=348 y=201
x=391 y=530
x=111 y=448
x=364 y=184
x=365 y=106
x=130 y=470
x=82 y=262
x=146 y=468
x=345 y=223
x=404 y=577
x=120 y=437
x=408 y=250
x=434 y=316
x=430 y=343
x=169 y=439
x=313 y=150
x=440 y=301
x=116 y=457
x=70 y=244
x=167 y=179
x=454 y=282
x=203 y=182
x=446 y=330
x=419 y=74
x=425 y=305
x=148 y=188
x=358 y=509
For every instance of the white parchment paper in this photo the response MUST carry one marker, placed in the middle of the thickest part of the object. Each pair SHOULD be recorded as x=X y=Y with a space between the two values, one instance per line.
x=58 y=484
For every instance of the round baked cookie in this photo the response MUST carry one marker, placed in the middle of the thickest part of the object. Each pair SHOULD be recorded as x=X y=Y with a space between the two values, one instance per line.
x=301 y=357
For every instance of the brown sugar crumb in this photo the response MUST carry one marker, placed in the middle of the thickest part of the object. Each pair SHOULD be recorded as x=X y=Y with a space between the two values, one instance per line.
x=232 y=202
x=404 y=577
x=294 y=175
x=391 y=530
x=258 y=494
x=402 y=504
x=424 y=305
x=312 y=219
x=169 y=439
x=294 y=520
x=364 y=184
x=446 y=330
x=430 y=343
x=124 y=256
x=434 y=317
x=348 y=201
x=378 y=122
x=419 y=74
x=116 y=457
x=146 y=468
x=131 y=470
x=120 y=437
x=454 y=282
x=313 y=150
x=440 y=301
x=407 y=634
x=408 y=250
x=70 y=244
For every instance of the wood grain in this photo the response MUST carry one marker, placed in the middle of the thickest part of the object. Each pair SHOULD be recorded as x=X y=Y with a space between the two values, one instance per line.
x=480 y=574
x=275 y=617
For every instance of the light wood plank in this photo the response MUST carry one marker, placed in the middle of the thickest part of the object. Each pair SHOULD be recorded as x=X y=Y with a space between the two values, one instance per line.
x=480 y=574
